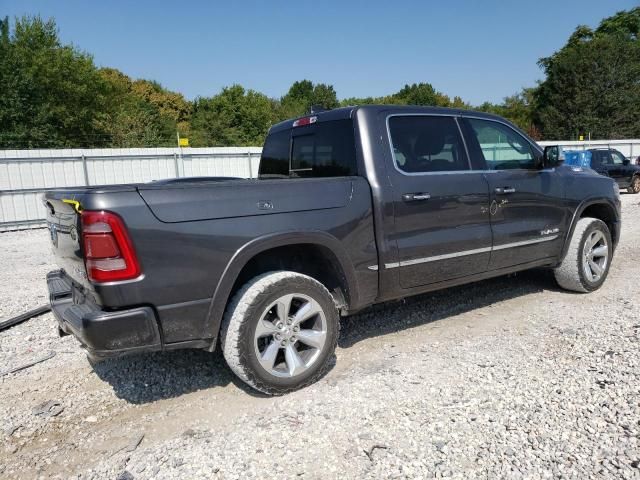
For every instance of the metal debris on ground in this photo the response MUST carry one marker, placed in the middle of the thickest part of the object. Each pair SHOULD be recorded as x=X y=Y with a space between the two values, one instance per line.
x=50 y=408
x=28 y=365
x=133 y=444
x=23 y=317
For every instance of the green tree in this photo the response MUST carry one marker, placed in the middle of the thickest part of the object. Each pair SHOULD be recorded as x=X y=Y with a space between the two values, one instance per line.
x=592 y=84
x=418 y=94
x=169 y=104
x=300 y=91
x=50 y=94
x=234 y=117
x=457 y=102
x=517 y=108
x=137 y=114
x=325 y=96
x=303 y=95
x=415 y=94
x=625 y=23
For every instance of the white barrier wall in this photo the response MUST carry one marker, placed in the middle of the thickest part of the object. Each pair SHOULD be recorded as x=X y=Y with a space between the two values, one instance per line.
x=25 y=174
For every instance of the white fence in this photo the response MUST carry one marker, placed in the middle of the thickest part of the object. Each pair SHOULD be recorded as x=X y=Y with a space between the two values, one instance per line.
x=25 y=174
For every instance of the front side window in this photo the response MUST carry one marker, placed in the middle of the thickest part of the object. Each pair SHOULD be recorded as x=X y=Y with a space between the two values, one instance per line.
x=427 y=144
x=605 y=157
x=617 y=157
x=502 y=147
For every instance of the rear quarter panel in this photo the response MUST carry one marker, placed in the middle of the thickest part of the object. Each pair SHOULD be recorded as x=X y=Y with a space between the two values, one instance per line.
x=184 y=262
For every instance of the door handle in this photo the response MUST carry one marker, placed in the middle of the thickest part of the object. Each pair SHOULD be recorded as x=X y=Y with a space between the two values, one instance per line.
x=415 y=197
x=505 y=190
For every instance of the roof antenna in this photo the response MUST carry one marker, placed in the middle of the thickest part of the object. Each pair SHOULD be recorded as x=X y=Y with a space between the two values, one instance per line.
x=318 y=109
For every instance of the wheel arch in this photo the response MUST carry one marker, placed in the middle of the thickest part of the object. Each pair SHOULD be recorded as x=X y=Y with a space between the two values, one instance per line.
x=601 y=208
x=267 y=253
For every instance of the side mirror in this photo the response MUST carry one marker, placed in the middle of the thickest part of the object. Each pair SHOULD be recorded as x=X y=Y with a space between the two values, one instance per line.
x=626 y=161
x=551 y=156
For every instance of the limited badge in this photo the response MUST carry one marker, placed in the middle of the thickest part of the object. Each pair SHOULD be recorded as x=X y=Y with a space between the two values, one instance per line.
x=265 y=205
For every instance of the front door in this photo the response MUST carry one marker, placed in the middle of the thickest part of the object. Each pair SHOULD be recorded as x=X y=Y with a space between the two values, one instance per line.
x=527 y=203
x=441 y=207
x=622 y=171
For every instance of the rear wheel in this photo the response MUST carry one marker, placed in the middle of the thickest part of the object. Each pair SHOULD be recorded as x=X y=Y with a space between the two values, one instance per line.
x=635 y=185
x=586 y=264
x=280 y=332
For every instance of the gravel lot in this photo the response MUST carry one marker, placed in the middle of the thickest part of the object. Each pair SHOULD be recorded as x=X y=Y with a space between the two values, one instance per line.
x=509 y=378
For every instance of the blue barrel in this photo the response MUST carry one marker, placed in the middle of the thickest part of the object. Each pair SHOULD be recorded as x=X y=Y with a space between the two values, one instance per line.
x=577 y=158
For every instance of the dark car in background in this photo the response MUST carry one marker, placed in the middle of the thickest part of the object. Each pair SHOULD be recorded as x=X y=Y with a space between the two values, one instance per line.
x=611 y=163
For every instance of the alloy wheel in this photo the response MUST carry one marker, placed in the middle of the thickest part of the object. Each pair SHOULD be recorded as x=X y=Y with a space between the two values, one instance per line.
x=290 y=335
x=596 y=256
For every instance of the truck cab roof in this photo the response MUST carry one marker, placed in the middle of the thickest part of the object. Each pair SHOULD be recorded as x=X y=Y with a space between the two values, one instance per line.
x=348 y=112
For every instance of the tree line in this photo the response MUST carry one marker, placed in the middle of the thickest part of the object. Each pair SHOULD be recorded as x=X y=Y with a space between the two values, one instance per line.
x=53 y=95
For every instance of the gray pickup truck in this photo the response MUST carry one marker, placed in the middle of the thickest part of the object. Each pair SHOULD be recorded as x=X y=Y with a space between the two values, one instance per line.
x=352 y=207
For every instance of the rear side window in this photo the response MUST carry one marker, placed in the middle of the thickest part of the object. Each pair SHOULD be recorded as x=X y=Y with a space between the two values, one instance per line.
x=325 y=149
x=274 y=162
x=424 y=144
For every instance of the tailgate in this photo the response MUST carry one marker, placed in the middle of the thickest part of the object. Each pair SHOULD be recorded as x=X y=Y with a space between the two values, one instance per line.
x=63 y=222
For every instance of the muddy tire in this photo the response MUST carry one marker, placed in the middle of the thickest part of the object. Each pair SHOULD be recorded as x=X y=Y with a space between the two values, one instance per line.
x=280 y=331
x=635 y=185
x=586 y=264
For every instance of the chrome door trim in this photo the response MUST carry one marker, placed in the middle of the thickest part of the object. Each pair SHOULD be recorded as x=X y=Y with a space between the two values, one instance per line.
x=416 y=261
x=525 y=242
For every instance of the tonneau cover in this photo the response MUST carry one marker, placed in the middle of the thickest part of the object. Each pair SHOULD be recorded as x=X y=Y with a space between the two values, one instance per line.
x=215 y=200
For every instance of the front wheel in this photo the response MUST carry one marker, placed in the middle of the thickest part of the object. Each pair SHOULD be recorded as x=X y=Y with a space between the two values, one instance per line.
x=635 y=185
x=280 y=331
x=586 y=263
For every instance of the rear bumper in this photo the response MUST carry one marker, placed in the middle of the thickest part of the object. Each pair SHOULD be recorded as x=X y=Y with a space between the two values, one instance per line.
x=102 y=333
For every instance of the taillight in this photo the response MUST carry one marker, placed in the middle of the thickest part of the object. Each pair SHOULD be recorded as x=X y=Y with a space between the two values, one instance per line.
x=108 y=252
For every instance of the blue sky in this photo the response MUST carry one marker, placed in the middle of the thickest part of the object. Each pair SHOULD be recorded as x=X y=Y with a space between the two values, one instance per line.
x=480 y=50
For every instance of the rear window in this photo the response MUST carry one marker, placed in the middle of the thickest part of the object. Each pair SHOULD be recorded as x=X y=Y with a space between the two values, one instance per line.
x=275 y=155
x=325 y=149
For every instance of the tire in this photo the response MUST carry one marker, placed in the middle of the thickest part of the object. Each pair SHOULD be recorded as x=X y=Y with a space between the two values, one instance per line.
x=575 y=272
x=635 y=185
x=258 y=332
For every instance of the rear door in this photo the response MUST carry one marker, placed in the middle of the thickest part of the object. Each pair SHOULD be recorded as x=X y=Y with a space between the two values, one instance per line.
x=599 y=162
x=441 y=207
x=527 y=203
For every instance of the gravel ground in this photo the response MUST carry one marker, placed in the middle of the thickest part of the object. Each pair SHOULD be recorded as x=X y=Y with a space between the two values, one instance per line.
x=508 y=378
